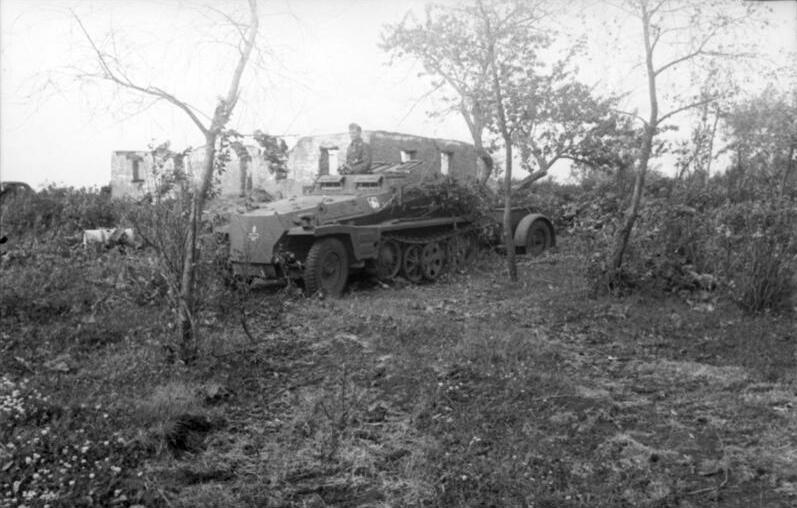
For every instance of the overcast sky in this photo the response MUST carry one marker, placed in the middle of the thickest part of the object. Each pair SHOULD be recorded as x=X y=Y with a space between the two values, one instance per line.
x=321 y=69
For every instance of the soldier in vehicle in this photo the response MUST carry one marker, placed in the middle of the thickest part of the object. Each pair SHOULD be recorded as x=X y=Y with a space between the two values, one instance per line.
x=358 y=153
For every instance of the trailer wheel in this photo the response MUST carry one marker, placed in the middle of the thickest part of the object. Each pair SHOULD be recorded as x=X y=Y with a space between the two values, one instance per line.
x=538 y=238
x=412 y=263
x=327 y=268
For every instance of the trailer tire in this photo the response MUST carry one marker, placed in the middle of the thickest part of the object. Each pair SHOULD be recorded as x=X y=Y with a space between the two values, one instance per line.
x=534 y=235
x=326 y=270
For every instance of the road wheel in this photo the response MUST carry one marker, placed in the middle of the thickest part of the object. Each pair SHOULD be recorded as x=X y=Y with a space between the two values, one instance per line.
x=538 y=238
x=388 y=261
x=327 y=268
x=433 y=259
x=456 y=252
x=411 y=263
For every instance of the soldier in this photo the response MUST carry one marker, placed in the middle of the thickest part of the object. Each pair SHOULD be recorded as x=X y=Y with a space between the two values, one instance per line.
x=358 y=154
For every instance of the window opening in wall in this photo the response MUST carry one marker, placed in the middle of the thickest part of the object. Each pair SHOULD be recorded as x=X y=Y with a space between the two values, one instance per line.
x=332 y=160
x=135 y=162
x=323 y=162
x=408 y=155
x=445 y=162
x=328 y=161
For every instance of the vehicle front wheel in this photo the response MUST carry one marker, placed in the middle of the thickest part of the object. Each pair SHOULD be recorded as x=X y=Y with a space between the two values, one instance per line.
x=327 y=268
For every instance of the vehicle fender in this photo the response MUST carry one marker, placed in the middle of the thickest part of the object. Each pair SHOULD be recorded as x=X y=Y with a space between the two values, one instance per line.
x=523 y=227
x=361 y=241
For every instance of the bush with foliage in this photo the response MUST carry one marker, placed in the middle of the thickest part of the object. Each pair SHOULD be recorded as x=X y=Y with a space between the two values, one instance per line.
x=697 y=239
x=58 y=210
x=450 y=197
x=754 y=246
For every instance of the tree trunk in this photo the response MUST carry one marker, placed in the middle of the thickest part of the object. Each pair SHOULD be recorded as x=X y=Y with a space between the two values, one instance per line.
x=188 y=340
x=488 y=162
x=509 y=237
x=621 y=241
x=473 y=120
x=622 y=169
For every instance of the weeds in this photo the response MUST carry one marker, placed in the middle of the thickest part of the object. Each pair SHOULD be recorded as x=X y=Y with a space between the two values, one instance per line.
x=698 y=243
x=60 y=455
x=58 y=212
x=464 y=393
x=755 y=245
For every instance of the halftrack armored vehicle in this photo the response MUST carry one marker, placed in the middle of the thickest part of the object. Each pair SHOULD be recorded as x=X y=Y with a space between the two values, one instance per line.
x=364 y=221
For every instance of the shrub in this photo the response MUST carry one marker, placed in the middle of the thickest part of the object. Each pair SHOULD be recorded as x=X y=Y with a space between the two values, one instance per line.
x=555 y=201
x=58 y=211
x=163 y=224
x=56 y=282
x=448 y=196
x=692 y=240
x=755 y=246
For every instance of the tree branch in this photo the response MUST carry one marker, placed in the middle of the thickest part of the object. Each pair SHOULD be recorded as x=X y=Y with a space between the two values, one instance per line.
x=674 y=112
x=693 y=54
x=422 y=97
x=656 y=8
x=238 y=26
x=232 y=94
x=533 y=177
x=628 y=113
x=125 y=82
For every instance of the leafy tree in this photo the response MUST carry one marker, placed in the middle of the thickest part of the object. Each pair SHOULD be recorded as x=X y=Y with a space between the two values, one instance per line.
x=554 y=117
x=458 y=65
x=763 y=137
x=610 y=152
x=470 y=52
x=490 y=62
x=113 y=71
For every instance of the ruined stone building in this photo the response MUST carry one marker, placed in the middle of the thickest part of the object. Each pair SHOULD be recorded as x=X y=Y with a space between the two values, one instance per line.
x=133 y=175
x=314 y=155
x=132 y=171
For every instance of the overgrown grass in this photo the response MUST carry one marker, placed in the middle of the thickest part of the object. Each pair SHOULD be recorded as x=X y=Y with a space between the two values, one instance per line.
x=468 y=392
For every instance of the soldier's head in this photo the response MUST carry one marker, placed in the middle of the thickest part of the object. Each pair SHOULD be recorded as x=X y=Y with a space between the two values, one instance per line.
x=355 y=131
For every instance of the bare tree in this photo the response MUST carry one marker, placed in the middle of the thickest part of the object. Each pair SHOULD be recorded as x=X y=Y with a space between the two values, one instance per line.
x=112 y=71
x=693 y=31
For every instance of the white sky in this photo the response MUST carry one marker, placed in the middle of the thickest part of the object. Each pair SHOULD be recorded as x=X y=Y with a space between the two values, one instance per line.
x=323 y=70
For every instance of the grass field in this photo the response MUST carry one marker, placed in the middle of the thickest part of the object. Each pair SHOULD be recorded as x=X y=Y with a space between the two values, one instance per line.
x=468 y=392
